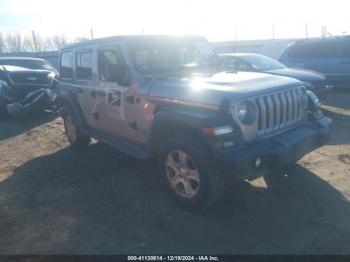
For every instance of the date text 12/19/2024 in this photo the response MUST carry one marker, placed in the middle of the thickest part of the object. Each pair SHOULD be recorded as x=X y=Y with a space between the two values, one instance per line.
x=173 y=258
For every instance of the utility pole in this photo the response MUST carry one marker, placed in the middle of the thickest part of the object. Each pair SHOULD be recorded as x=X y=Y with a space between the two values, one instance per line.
x=236 y=33
x=324 y=31
x=92 y=33
x=34 y=42
x=307 y=31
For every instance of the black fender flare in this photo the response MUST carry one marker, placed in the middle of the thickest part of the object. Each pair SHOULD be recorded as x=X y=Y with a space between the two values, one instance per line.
x=173 y=119
x=67 y=99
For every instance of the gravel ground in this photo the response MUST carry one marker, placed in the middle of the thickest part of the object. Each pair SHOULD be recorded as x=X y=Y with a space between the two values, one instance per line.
x=54 y=200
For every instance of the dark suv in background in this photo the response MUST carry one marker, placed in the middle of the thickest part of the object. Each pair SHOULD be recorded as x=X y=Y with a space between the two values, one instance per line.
x=250 y=62
x=330 y=56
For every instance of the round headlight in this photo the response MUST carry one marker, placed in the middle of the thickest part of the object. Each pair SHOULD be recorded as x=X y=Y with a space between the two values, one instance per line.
x=242 y=111
x=247 y=112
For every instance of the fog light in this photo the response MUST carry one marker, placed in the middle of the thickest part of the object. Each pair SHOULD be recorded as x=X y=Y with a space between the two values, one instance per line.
x=258 y=162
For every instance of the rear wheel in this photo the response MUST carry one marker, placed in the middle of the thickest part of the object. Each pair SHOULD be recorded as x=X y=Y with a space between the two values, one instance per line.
x=190 y=173
x=75 y=137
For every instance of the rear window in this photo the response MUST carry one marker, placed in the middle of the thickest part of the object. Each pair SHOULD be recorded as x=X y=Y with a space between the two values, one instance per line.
x=66 y=66
x=84 y=65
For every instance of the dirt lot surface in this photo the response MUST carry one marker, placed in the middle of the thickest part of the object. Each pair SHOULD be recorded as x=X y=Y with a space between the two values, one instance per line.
x=54 y=200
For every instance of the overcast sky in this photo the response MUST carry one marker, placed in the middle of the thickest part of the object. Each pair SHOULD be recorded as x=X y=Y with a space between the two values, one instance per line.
x=215 y=19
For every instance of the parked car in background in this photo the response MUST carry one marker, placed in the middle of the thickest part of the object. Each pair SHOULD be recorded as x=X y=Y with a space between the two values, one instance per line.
x=170 y=98
x=316 y=82
x=29 y=63
x=330 y=56
x=27 y=84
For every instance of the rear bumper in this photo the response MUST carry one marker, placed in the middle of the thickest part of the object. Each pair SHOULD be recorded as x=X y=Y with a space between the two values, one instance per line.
x=277 y=151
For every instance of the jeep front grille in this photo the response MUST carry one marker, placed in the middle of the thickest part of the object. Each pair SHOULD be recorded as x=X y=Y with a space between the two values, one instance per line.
x=279 y=110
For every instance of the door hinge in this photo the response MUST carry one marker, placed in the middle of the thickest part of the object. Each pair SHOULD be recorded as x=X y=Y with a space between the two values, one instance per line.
x=133 y=125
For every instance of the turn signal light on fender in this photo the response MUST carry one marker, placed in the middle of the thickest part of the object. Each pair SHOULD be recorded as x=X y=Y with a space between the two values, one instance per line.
x=217 y=131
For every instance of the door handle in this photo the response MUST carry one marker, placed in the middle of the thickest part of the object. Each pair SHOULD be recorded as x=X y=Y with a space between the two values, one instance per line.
x=100 y=93
x=95 y=93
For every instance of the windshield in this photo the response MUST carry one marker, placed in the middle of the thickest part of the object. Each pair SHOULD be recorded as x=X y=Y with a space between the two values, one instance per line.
x=30 y=64
x=173 y=55
x=263 y=63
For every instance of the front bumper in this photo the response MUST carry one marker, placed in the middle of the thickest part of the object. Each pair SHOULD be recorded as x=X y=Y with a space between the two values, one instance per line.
x=277 y=151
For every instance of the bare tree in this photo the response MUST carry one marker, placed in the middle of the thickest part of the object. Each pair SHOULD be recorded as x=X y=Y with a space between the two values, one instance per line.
x=14 y=42
x=2 y=43
x=28 y=44
x=56 y=42
x=81 y=39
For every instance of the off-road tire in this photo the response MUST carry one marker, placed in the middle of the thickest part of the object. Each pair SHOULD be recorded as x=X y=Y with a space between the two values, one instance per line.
x=80 y=141
x=211 y=181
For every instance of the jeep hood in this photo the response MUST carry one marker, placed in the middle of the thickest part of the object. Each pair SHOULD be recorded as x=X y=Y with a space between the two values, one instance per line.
x=15 y=69
x=212 y=89
x=300 y=74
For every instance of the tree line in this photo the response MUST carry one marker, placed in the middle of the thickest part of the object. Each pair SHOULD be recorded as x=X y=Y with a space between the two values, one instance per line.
x=15 y=42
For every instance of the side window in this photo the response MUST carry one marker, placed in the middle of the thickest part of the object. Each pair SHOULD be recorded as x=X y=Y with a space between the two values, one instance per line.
x=110 y=67
x=312 y=50
x=343 y=49
x=84 y=65
x=300 y=51
x=66 y=65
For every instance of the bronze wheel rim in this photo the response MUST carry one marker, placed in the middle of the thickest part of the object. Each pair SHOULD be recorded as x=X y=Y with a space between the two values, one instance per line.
x=182 y=173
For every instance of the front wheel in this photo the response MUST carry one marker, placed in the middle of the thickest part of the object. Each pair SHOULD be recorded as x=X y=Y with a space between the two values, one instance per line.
x=189 y=172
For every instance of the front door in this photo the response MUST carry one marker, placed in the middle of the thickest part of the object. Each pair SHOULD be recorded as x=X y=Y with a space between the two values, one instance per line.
x=115 y=105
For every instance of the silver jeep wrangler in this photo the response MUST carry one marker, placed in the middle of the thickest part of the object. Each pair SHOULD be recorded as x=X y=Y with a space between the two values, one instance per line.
x=170 y=98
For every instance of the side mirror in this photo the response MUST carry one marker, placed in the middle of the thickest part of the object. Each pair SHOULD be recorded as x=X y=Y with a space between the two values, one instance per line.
x=120 y=74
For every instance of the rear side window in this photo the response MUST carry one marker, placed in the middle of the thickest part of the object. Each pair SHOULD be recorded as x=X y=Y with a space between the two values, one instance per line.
x=84 y=65
x=66 y=65
x=343 y=50
x=313 y=50
x=108 y=63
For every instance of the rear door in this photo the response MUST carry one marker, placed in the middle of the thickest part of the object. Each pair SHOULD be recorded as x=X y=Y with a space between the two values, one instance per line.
x=117 y=104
